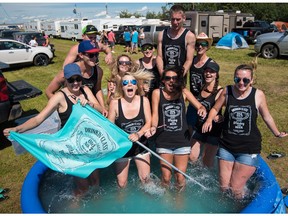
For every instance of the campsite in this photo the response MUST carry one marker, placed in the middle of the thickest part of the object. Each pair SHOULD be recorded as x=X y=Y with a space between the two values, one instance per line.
x=270 y=77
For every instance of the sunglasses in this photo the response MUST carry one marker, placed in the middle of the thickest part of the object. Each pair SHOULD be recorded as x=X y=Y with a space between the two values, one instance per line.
x=124 y=62
x=245 y=80
x=73 y=79
x=126 y=82
x=145 y=48
x=168 y=78
x=91 y=55
x=203 y=44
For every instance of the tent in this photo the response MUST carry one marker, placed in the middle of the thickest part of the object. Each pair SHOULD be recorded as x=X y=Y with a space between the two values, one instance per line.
x=232 y=41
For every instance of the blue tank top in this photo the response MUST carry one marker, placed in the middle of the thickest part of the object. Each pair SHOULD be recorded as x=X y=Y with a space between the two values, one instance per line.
x=91 y=81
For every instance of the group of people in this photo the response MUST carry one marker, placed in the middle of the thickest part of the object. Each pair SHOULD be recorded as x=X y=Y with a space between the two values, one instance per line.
x=133 y=39
x=146 y=98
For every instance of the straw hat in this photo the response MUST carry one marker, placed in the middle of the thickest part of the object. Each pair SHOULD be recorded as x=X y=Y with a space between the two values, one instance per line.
x=202 y=36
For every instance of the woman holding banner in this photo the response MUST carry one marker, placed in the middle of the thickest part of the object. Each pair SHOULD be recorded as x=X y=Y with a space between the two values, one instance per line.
x=63 y=101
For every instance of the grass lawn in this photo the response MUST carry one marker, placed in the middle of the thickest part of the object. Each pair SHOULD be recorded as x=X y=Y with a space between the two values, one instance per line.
x=271 y=77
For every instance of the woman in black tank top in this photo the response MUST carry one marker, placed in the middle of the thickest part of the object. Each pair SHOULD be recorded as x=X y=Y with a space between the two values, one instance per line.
x=241 y=139
x=62 y=102
x=168 y=117
x=131 y=113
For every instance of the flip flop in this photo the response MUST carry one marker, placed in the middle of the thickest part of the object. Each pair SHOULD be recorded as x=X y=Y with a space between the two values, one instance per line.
x=275 y=155
x=5 y=190
x=284 y=191
x=3 y=197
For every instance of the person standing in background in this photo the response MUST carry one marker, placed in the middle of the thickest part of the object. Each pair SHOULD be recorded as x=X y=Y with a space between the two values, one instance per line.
x=33 y=41
x=134 y=41
x=111 y=40
x=127 y=39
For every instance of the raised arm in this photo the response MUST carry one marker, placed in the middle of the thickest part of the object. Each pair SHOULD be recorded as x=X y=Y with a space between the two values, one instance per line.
x=261 y=104
x=55 y=84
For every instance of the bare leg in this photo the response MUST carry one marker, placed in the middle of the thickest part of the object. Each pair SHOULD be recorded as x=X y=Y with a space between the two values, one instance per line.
x=181 y=162
x=195 y=150
x=209 y=155
x=122 y=170
x=240 y=175
x=143 y=167
x=166 y=169
x=225 y=173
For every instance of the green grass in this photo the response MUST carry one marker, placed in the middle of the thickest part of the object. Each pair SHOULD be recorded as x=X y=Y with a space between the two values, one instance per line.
x=272 y=76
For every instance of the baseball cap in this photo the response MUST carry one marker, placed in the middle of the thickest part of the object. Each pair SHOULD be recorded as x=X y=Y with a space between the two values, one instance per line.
x=213 y=66
x=72 y=69
x=86 y=47
x=90 y=29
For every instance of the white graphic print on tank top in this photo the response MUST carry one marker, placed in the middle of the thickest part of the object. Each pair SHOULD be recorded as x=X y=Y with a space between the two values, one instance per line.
x=240 y=120
x=172 y=116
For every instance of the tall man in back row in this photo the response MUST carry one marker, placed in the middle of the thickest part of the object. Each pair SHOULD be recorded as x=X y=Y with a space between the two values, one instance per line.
x=176 y=44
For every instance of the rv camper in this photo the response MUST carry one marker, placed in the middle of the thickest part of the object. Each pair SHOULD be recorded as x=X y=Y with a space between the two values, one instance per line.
x=33 y=26
x=215 y=24
x=72 y=29
x=51 y=28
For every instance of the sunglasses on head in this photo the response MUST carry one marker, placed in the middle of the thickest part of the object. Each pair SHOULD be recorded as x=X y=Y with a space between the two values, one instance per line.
x=145 y=48
x=245 y=80
x=168 y=78
x=91 y=55
x=203 y=44
x=126 y=82
x=73 y=79
x=124 y=62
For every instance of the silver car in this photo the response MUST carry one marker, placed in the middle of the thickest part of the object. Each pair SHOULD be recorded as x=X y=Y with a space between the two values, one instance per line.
x=272 y=45
x=15 y=52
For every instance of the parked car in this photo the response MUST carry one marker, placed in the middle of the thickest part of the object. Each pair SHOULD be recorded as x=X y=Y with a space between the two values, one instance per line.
x=14 y=52
x=8 y=34
x=26 y=37
x=272 y=45
x=251 y=30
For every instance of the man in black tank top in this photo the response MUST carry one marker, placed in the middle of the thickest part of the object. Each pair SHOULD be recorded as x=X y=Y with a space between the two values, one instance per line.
x=176 y=44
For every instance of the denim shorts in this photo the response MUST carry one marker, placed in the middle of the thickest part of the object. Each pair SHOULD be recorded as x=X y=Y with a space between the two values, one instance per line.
x=178 y=151
x=191 y=115
x=247 y=159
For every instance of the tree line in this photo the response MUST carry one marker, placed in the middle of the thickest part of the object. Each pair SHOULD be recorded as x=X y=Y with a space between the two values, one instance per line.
x=262 y=11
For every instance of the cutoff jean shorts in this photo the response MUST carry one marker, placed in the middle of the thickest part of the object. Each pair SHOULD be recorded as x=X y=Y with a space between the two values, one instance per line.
x=176 y=151
x=247 y=159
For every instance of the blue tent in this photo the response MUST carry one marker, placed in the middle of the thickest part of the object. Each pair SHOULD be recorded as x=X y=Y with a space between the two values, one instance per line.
x=232 y=41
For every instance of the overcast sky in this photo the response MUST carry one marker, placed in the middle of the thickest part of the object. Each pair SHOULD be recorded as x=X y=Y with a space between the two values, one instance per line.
x=23 y=12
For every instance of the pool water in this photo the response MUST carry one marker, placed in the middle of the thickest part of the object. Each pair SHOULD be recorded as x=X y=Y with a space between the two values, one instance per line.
x=56 y=194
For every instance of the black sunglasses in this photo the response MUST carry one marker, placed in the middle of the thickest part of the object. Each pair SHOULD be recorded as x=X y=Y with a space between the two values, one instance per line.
x=203 y=44
x=145 y=48
x=245 y=80
x=168 y=78
x=124 y=62
x=91 y=55
x=73 y=79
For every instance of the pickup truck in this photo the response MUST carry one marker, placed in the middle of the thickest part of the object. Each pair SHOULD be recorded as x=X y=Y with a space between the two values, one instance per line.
x=251 y=30
x=151 y=32
x=11 y=93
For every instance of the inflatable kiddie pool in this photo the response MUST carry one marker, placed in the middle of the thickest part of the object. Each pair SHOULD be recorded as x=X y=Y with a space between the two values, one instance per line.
x=269 y=198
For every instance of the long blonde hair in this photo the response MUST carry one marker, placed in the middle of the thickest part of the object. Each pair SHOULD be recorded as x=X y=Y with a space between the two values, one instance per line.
x=141 y=75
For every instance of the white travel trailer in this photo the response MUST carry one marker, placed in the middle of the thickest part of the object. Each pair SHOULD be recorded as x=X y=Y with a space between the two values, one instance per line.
x=215 y=24
x=113 y=23
x=72 y=29
x=33 y=26
x=51 y=28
